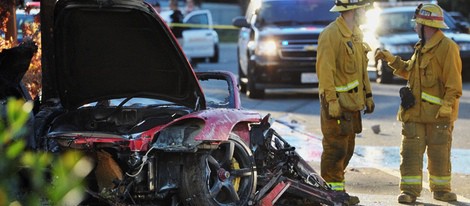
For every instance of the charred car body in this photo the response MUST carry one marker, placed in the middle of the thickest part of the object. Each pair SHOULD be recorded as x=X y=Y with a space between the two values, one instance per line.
x=118 y=88
x=277 y=44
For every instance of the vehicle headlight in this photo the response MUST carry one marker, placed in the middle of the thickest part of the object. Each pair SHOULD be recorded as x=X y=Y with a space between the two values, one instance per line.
x=404 y=48
x=464 y=46
x=266 y=48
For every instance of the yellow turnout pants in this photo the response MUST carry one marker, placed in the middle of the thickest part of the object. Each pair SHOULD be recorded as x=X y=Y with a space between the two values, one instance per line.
x=338 y=145
x=436 y=138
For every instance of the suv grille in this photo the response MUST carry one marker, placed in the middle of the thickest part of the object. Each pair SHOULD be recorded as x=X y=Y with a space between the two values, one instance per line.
x=305 y=49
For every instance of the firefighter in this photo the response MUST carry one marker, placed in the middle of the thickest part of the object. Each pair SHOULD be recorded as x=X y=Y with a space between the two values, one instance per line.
x=344 y=89
x=429 y=111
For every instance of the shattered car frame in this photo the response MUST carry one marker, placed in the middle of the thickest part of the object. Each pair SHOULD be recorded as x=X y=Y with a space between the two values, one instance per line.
x=118 y=88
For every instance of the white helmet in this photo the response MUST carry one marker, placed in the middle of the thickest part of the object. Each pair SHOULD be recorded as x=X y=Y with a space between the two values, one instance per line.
x=344 y=5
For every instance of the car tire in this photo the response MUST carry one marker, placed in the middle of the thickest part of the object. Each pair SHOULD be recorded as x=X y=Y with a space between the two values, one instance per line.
x=240 y=81
x=384 y=73
x=224 y=176
x=42 y=121
x=215 y=58
x=251 y=90
x=241 y=75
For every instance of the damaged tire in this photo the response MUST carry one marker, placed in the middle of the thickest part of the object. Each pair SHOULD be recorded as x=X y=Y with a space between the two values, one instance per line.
x=224 y=176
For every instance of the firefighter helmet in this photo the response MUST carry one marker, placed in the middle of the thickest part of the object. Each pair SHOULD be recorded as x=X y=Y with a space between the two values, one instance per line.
x=344 y=5
x=430 y=15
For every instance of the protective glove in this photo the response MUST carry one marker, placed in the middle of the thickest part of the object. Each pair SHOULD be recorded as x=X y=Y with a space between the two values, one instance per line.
x=385 y=55
x=334 y=110
x=444 y=111
x=370 y=106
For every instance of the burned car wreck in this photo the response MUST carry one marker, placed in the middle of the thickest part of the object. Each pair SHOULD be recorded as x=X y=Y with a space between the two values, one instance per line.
x=118 y=88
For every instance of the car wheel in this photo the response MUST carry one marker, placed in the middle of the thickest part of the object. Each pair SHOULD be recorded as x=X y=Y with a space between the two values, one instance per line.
x=251 y=90
x=215 y=58
x=384 y=73
x=224 y=176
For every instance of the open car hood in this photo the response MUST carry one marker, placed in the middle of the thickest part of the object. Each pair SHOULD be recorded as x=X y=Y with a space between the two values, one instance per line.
x=106 y=49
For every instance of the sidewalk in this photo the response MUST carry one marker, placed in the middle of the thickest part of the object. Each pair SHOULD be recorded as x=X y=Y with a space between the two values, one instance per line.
x=374 y=185
x=380 y=187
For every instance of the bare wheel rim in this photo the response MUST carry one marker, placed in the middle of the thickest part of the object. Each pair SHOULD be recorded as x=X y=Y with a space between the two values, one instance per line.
x=229 y=173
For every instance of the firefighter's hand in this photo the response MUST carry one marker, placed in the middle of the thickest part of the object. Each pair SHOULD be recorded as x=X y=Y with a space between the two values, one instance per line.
x=370 y=106
x=334 y=110
x=444 y=111
x=385 y=55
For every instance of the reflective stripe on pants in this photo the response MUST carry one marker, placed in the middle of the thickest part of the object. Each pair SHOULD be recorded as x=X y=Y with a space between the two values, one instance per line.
x=439 y=180
x=411 y=180
x=337 y=186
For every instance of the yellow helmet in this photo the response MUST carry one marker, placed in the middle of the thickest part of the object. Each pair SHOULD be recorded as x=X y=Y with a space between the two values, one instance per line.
x=430 y=15
x=344 y=5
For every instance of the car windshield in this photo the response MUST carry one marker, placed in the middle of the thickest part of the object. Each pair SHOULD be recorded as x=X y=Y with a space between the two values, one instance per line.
x=198 y=19
x=296 y=13
x=216 y=92
x=400 y=22
x=130 y=102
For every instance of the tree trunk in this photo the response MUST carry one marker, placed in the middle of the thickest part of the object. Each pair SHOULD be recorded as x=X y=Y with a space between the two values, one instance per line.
x=12 y=29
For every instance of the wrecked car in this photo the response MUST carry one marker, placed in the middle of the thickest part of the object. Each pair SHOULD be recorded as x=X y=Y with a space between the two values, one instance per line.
x=118 y=88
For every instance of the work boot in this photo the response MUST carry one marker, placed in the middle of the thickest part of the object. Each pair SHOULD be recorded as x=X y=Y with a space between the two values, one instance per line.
x=353 y=200
x=406 y=198
x=445 y=196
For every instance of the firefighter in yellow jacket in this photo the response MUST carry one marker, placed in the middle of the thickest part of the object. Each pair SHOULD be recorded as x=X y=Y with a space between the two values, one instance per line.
x=435 y=82
x=344 y=89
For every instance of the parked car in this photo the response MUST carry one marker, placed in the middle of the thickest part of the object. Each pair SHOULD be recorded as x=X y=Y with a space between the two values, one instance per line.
x=277 y=44
x=461 y=21
x=200 y=40
x=118 y=88
x=392 y=29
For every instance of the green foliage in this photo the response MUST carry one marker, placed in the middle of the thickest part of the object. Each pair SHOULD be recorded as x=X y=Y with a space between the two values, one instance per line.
x=33 y=177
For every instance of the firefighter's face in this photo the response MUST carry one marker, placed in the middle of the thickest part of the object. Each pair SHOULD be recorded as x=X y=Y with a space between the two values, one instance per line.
x=360 y=15
x=418 y=29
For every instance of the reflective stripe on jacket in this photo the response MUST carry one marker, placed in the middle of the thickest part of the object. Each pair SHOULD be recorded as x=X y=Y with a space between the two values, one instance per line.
x=342 y=65
x=431 y=99
x=346 y=88
x=435 y=77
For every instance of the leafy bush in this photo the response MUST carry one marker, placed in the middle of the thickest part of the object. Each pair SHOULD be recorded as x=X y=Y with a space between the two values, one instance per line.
x=34 y=177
